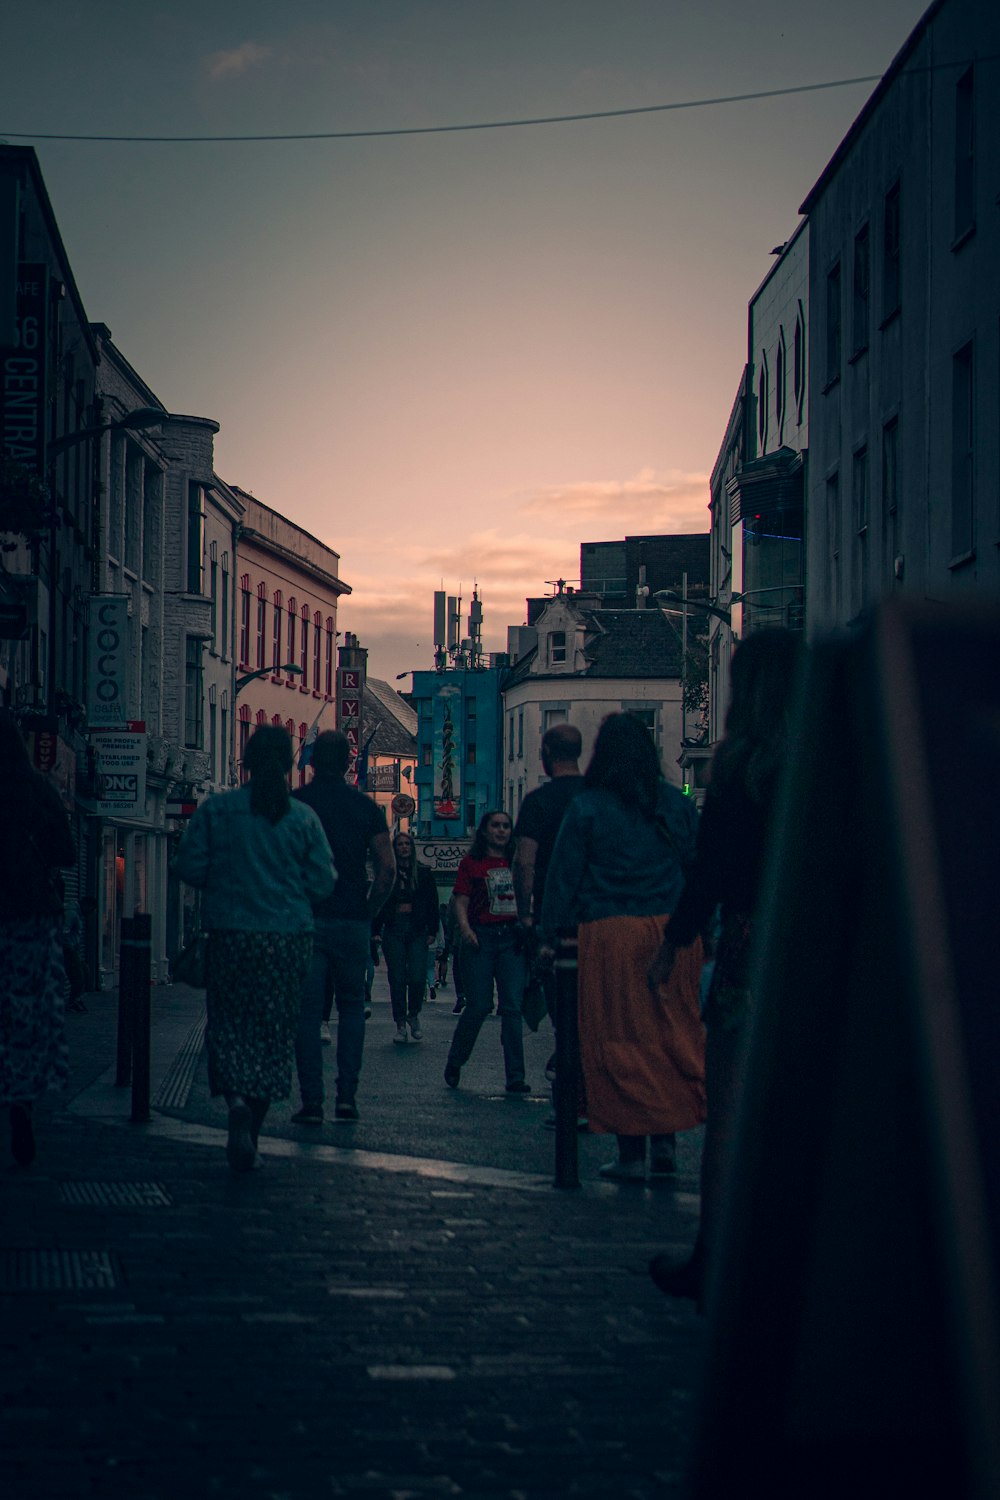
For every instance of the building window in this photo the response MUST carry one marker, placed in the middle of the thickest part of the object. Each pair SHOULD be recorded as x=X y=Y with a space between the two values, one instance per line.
x=890 y=498
x=290 y=653
x=317 y=650
x=276 y=629
x=426 y=755
x=779 y=386
x=470 y=817
x=193 y=693
x=213 y=741
x=861 y=290
x=552 y=716
x=470 y=708
x=224 y=623
x=213 y=588
x=962 y=436
x=859 y=497
x=245 y=620
x=891 y=253
x=557 y=647
x=470 y=753
x=763 y=397
x=520 y=733
x=261 y=622
x=799 y=362
x=645 y=716
x=965 y=161
x=244 y=735
x=833 y=325
x=303 y=736
x=329 y=656
x=304 y=646
x=833 y=534
x=223 y=743
x=195 y=539
x=510 y=737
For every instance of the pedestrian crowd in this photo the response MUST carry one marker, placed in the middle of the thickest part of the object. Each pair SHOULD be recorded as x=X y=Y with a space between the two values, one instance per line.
x=303 y=892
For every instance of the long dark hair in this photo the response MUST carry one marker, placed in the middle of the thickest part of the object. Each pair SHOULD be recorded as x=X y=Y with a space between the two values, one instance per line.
x=268 y=760
x=15 y=762
x=625 y=761
x=409 y=882
x=478 y=850
x=757 y=737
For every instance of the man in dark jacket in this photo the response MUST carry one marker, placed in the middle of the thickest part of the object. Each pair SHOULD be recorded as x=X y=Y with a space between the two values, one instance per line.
x=356 y=829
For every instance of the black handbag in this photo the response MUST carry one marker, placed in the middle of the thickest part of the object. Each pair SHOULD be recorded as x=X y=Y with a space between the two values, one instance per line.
x=189 y=965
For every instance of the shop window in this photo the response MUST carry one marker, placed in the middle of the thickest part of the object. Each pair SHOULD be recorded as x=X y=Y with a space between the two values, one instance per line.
x=891 y=253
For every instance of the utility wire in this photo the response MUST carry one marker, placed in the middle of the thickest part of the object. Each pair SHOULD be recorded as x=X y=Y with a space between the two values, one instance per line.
x=355 y=135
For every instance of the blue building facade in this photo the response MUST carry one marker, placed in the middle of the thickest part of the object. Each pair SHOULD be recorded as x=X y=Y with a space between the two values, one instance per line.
x=459 y=739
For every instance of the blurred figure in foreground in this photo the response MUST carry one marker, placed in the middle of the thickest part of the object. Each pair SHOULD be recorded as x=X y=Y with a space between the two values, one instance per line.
x=726 y=875
x=617 y=871
x=36 y=843
x=262 y=861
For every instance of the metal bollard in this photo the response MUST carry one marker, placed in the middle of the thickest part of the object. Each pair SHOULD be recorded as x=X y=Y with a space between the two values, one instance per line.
x=142 y=939
x=126 y=955
x=567 y=1063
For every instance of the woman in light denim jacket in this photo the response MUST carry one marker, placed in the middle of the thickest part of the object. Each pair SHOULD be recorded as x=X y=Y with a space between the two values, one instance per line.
x=262 y=860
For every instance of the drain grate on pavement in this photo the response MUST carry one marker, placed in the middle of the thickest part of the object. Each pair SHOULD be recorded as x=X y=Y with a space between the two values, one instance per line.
x=116 y=1194
x=59 y=1270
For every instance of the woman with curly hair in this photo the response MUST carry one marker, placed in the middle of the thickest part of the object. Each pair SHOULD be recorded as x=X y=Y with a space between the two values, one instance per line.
x=617 y=873
x=726 y=878
x=262 y=861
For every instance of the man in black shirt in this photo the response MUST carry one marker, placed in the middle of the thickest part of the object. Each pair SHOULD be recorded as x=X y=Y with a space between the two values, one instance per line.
x=356 y=829
x=541 y=814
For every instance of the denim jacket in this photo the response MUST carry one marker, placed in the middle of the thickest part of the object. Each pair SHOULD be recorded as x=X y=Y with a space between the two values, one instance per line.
x=609 y=861
x=257 y=876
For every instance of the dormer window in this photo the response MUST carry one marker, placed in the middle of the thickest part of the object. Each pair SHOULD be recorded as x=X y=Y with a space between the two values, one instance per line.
x=557 y=647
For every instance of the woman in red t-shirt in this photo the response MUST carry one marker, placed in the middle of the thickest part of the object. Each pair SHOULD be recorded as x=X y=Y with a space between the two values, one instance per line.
x=486 y=914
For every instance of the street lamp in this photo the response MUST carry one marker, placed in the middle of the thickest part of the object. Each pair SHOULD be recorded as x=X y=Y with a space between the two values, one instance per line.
x=137 y=420
x=291 y=668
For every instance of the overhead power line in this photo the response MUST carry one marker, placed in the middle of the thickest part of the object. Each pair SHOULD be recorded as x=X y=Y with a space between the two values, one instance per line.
x=356 y=135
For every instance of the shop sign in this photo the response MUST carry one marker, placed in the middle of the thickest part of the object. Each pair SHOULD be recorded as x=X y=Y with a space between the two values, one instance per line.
x=121 y=764
x=384 y=778
x=442 y=855
x=22 y=378
x=107 y=679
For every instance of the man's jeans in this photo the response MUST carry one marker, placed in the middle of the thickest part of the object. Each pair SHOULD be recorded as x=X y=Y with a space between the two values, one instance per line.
x=340 y=952
x=494 y=959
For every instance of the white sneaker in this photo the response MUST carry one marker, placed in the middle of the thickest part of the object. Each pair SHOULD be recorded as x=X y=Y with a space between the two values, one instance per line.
x=325 y=1035
x=623 y=1171
x=400 y=1034
x=415 y=1031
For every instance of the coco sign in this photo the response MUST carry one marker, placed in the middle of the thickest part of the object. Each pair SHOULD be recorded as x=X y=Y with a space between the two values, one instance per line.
x=107 y=683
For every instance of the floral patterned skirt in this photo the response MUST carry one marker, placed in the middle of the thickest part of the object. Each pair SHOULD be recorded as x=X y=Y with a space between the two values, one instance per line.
x=33 y=1052
x=253 y=998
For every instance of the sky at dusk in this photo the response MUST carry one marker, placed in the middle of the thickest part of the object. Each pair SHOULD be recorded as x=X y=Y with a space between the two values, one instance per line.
x=452 y=357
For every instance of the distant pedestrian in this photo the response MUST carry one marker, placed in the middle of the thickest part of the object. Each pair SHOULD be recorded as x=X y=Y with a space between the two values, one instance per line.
x=617 y=872
x=486 y=914
x=36 y=843
x=357 y=831
x=726 y=878
x=408 y=925
x=261 y=861
x=535 y=832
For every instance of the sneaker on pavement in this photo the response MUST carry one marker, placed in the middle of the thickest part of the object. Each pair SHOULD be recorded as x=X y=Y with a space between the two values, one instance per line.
x=458 y=1007
x=662 y=1166
x=309 y=1114
x=400 y=1034
x=325 y=1034
x=416 y=1032
x=623 y=1171
x=452 y=1074
x=432 y=993
x=521 y=1087
x=346 y=1109
x=368 y=1010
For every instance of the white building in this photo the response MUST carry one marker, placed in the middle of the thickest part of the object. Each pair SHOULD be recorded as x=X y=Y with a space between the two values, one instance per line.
x=578 y=663
x=904 y=467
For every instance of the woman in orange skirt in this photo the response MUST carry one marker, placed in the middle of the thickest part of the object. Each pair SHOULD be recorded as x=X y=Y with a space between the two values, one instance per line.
x=617 y=873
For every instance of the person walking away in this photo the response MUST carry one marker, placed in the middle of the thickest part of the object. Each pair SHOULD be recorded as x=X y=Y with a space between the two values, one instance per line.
x=36 y=844
x=617 y=873
x=535 y=832
x=726 y=878
x=356 y=829
x=486 y=914
x=407 y=926
x=261 y=862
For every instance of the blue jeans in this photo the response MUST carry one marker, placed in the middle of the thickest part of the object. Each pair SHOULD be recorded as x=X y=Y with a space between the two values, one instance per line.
x=493 y=961
x=340 y=954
